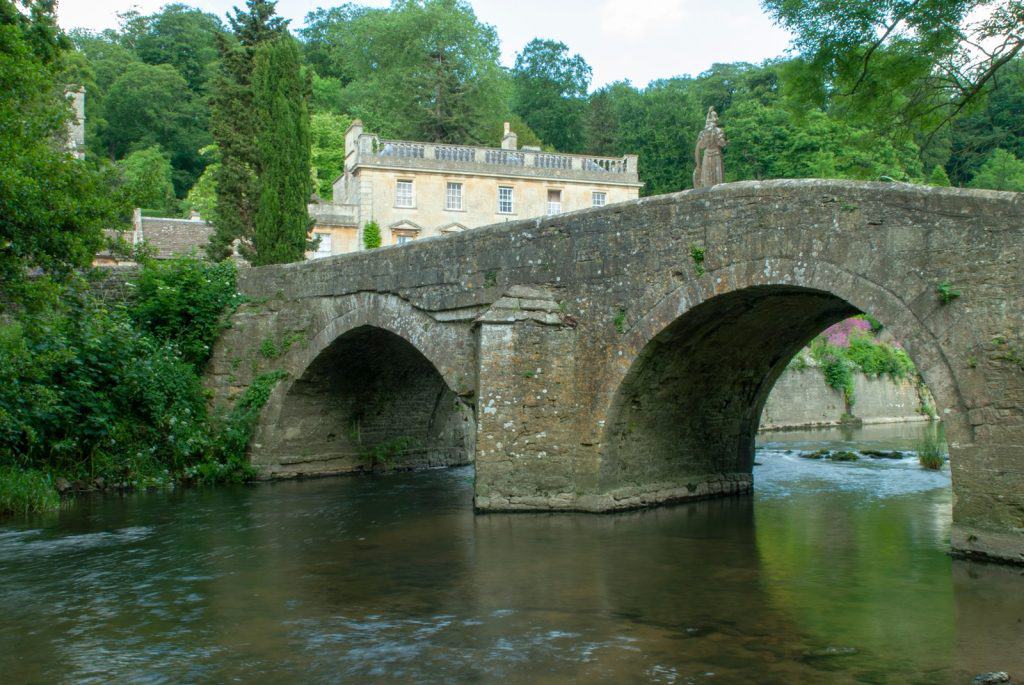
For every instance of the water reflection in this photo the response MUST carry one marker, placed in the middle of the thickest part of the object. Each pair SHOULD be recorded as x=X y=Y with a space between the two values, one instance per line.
x=833 y=572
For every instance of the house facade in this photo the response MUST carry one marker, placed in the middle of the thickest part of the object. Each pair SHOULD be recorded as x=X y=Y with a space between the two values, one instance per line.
x=416 y=190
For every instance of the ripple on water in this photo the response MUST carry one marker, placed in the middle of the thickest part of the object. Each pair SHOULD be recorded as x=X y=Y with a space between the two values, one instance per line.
x=37 y=542
x=781 y=473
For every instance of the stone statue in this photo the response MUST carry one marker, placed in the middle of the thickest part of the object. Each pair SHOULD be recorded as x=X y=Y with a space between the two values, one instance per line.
x=708 y=171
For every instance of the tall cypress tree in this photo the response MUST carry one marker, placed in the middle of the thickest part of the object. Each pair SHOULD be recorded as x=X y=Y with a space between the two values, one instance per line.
x=233 y=124
x=282 y=136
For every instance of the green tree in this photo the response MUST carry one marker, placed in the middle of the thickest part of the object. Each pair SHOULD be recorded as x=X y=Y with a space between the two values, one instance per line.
x=327 y=96
x=282 y=136
x=54 y=206
x=1001 y=171
x=152 y=105
x=773 y=142
x=147 y=175
x=106 y=55
x=97 y=62
x=181 y=36
x=938 y=177
x=996 y=123
x=421 y=69
x=327 y=39
x=904 y=59
x=233 y=125
x=550 y=89
x=327 y=150
x=203 y=195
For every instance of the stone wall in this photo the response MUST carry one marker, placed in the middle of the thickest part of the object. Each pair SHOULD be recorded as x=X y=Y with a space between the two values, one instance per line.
x=801 y=399
x=115 y=283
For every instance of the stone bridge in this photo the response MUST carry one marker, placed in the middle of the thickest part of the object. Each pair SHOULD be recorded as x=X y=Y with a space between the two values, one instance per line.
x=620 y=357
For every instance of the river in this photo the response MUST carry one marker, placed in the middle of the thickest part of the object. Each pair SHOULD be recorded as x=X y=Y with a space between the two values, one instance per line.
x=830 y=573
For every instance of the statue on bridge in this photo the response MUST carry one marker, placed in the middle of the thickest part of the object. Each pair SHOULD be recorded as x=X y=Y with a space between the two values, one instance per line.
x=709 y=171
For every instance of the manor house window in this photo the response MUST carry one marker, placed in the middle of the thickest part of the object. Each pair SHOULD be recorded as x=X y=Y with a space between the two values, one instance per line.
x=599 y=198
x=505 y=200
x=403 y=194
x=453 y=196
x=554 y=202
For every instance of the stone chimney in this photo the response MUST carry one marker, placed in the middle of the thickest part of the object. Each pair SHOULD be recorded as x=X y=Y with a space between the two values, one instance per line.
x=355 y=129
x=76 y=127
x=510 y=141
x=137 y=236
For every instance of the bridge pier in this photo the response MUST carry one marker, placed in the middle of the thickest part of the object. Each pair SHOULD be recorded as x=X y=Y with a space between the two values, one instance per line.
x=528 y=455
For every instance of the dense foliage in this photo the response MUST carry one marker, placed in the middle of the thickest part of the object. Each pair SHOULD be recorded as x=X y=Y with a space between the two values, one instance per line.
x=100 y=392
x=93 y=391
x=421 y=70
x=327 y=150
x=86 y=393
x=913 y=63
x=147 y=178
x=550 y=91
x=182 y=302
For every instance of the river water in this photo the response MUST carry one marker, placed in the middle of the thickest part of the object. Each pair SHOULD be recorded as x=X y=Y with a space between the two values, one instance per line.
x=831 y=573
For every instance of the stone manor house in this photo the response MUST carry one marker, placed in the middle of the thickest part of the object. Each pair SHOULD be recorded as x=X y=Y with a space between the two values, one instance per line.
x=415 y=190
x=411 y=190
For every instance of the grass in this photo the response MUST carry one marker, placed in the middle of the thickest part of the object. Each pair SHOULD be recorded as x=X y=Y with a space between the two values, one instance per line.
x=26 y=491
x=930 y=452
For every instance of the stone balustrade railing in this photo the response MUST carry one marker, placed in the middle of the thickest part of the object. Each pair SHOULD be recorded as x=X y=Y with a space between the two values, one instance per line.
x=372 y=149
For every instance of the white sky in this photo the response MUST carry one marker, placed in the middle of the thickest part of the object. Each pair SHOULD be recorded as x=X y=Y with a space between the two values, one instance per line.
x=639 y=40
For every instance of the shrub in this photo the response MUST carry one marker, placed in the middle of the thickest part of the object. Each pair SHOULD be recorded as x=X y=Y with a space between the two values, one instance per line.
x=837 y=369
x=88 y=389
x=939 y=177
x=183 y=301
x=84 y=393
x=878 y=359
x=371 y=235
x=26 y=491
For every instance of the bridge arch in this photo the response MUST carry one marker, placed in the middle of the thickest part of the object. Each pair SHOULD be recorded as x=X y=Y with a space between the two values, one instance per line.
x=371 y=389
x=684 y=400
